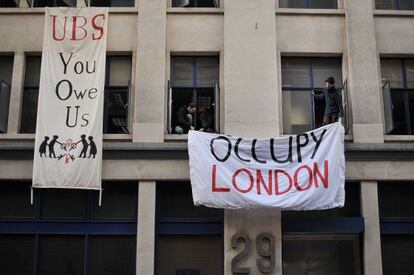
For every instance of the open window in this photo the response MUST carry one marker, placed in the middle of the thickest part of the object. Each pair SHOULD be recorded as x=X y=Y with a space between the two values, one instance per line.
x=308 y=4
x=6 y=70
x=194 y=80
x=196 y=3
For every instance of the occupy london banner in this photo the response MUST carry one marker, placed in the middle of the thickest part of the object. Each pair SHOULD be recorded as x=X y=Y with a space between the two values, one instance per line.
x=68 y=146
x=303 y=172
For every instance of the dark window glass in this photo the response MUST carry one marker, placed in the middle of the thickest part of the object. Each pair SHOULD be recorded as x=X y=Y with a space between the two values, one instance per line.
x=16 y=254
x=108 y=255
x=119 y=202
x=58 y=203
x=397 y=254
x=202 y=254
x=30 y=94
x=303 y=255
x=196 y=3
x=6 y=71
x=301 y=76
x=15 y=200
x=9 y=3
x=396 y=199
x=112 y=3
x=54 y=3
x=310 y=4
x=175 y=201
x=351 y=208
x=60 y=255
x=394 y=4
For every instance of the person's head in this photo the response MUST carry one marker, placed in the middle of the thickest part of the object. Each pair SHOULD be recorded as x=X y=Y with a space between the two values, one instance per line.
x=191 y=108
x=90 y=137
x=83 y=136
x=202 y=109
x=55 y=137
x=329 y=82
x=46 y=138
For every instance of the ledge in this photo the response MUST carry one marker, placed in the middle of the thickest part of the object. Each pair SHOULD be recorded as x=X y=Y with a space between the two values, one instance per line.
x=42 y=10
x=329 y=12
x=394 y=13
x=23 y=150
x=218 y=11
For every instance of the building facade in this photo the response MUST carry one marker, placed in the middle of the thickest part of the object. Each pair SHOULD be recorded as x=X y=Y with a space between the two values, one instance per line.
x=254 y=66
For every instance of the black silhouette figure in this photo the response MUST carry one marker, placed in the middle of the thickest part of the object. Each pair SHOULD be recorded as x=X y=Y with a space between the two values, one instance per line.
x=42 y=148
x=85 y=146
x=93 y=149
x=52 y=146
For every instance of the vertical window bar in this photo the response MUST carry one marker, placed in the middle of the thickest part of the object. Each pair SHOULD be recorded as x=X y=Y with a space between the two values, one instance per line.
x=85 y=255
x=406 y=100
x=397 y=4
x=312 y=83
x=35 y=254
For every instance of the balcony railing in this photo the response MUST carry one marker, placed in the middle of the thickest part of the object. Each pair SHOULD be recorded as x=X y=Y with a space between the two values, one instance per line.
x=4 y=105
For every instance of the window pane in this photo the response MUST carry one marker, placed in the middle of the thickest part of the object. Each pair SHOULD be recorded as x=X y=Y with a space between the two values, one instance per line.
x=120 y=201
x=207 y=71
x=295 y=72
x=410 y=95
x=9 y=4
x=108 y=255
x=60 y=255
x=297 y=112
x=180 y=98
x=323 y=4
x=4 y=105
x=398 y=113
x=292 y=4
x=397 y=254
x=406 y=5
x=351 y=208
x=175 y=201
x=208 y=3
x=205 y=110
x=320 y=256
x=54 y=3
x=391 y=70
x=16 y=254
x=29 y=110
x=6 y=69
x=119 y=70
x=202 y=254
x=385 y=4
x=409 y=66
x=116 y=110
x=32 y=74
x=57 y=203
x=396 y=199
x=323 y=68
x=182 y=71
x=15 y=200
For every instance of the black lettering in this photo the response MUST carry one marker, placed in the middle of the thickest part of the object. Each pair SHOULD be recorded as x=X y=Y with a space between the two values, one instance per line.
x=85 y=120
x=228 y=148
x=87 y=67
x=76 y=67
x=236 y=150
x=299 y=145
x=68 y=115
x=254 y=152
x=289 y=156
x=317 y=141
x=57 y=90
x=65 y=64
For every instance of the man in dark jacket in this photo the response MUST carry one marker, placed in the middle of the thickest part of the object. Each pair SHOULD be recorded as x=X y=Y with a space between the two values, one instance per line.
x=333 y=102
x=184 y=118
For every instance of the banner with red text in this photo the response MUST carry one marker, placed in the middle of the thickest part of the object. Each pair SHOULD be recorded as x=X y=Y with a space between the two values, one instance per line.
x=68 y=145
x=303 y=172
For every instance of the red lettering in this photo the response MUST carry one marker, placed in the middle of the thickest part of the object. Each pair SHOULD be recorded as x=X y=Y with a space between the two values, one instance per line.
x=250 y=178
x=298 y=187
x=277 y=191
x=213 y=182
x=97 y=27
x=260 y=181
x=75 y=26
x=317 y=173
x=54 y=36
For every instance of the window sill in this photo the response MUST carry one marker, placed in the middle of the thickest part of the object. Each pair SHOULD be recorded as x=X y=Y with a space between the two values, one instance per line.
x=398 y=137
x=347 y=137
x=42 y=10
x=175 y=137
x=14 y=136
x=195 y=10
x=396 y=13
x=334 y=12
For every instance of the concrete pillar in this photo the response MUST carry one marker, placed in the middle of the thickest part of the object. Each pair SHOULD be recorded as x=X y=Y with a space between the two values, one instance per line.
x=24 y=4
x=250 y=80
x=364 y=80
x=150 y=88
x=16 y=95
x=146 y=228
x=372 y=234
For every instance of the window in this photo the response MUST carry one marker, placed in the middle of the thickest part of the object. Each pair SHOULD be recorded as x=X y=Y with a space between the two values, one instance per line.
x=397 y=227
x=53 y=3
x=300 y=77
x=325 y=241
x=194 y=79
x=6 y=71
x=9 y=3
x=398 y=92
x=308 y=4
x=66 y=232
x=189 y=238
x=117 y=92
x=196 y=3
x=112 y=3
x=394 y=4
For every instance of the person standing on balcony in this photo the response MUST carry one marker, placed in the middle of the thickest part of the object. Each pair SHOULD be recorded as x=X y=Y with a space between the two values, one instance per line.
x=333 y=102
x=184 y=118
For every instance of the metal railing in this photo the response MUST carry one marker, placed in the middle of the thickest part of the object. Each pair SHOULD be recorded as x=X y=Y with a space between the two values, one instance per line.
x=4 y=105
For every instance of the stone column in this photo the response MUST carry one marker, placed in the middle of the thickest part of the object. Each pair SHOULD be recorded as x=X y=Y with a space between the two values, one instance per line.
x=146 y=227
x=372 y=234
x=364 y=77
x=150 y=84
x=16 y=95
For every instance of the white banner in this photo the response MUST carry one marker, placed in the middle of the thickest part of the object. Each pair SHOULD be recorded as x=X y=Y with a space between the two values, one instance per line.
x=68 y=146
x=303 y=172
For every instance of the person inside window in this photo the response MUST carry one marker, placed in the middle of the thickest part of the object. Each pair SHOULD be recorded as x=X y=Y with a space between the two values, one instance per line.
x=333 y=102
x=205 y=120
x=184 y=118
